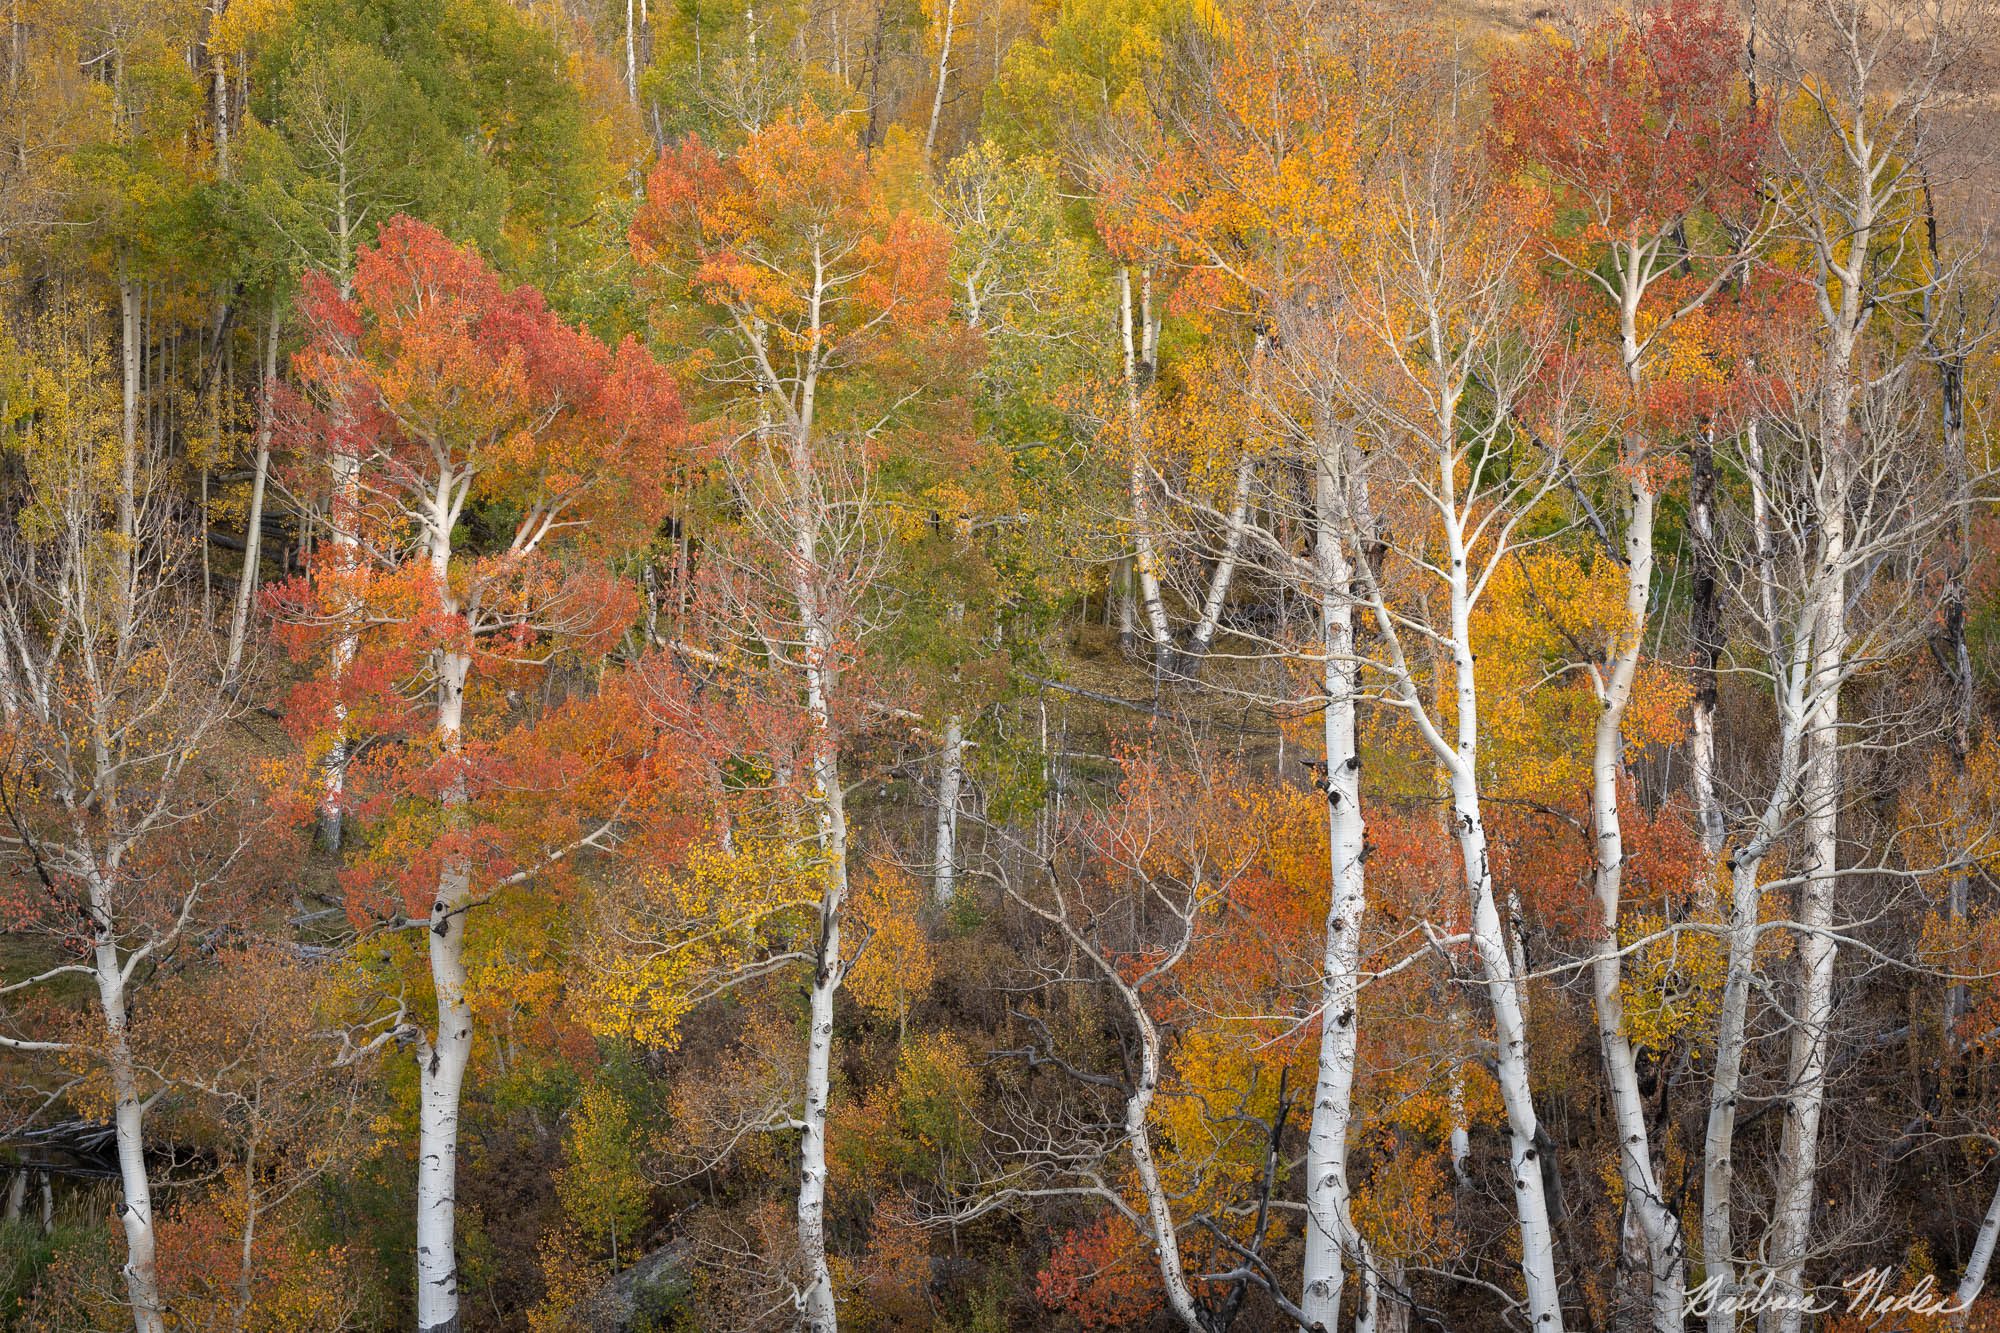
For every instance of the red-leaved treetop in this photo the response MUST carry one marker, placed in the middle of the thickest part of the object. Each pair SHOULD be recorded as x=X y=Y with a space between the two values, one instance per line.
x=1640 y=131
x=1639 y=121
x=500 y=456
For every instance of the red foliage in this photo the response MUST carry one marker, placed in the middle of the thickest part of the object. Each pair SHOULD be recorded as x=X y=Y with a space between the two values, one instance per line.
x=1101 y=1276
x=1638 y=121
x=486 y=458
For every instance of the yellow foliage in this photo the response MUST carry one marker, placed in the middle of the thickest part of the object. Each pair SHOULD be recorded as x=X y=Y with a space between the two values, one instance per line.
x=1545 y=617
x=898 y=964
x=1949 y=816
x=667 y=943
x=1672 y=987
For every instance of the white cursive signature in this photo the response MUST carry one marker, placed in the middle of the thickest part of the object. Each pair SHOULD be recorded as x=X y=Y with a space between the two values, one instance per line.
x=1868 y=1295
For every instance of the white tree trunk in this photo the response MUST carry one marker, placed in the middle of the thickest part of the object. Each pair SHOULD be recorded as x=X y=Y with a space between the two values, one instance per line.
x=1461 y=1129
x=1330 y=1231
x=1648 y=1218
x=816 y=1303
x=253 y=531
x=1165 y=1236
x=1140 y=346
x=1790 y=658
x=1237 y=521
x=1701 y=724
x=131 y=329
x=943 y=76
x=1226 y=561
x=631 y=55
x=1504 y=986
x=219 y=77
x=816 y=1300
x=345 y=502
x=135 y=1205
x=443 y=1058
x=1812 y=1012
x=951 y=776
x=1718 y=1169
x=1974 y=1280
x=1538 y=1256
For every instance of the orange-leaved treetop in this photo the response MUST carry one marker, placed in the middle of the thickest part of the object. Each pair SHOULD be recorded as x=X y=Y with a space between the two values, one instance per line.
x=502 y=457
x=834 y=387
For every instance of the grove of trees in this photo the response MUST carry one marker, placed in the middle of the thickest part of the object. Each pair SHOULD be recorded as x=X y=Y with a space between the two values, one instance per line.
x=1298 y=665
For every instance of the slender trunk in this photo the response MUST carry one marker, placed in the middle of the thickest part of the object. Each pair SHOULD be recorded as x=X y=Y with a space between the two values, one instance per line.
x=943 y=76
x=1238 y=520
x=442 y=1059
x=246 y=1253
x=1538 y=1262
x=1461 y=1128
x=1330 y=1230
x=944 y=877
x=1504 y=985
x=1718 y=1170
x=1225 y=564
x=9 y=685
x=1128 y=608
x=1139 y=348
x=1159 y=1208
x=219 y=76
x=1649 y=1222
x=1812 y=1014
x=346 y=467
x=128 y=450
x=631 y=55
x=1706 y=632
x=253 y=533
x=816 y=1301
x=135 y=1206
x=1790 y=663
x=1974 y=1280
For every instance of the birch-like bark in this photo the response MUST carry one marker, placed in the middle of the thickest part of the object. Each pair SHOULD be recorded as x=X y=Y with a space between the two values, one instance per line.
x=1128 y=614
x=1812 y=1015
x=1821 y=793
x=951 y=776
x=130 y=332
x=816 y=1303
x=1790 y=655
x=1973 y=1282
x=1503 y=992
x=1705 y=631
x=1458 y=755
x=346 y=467
x=1648 y=1218
x=1224 y=573
x=1331 y=1235
x=135 y=1205
x=1139 y=1140
x=442 y=1057
x=1141 y=345
x=943 y=76
x=219 y=83
x=631 y=54
x=253 y=532
x=1238 y=519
